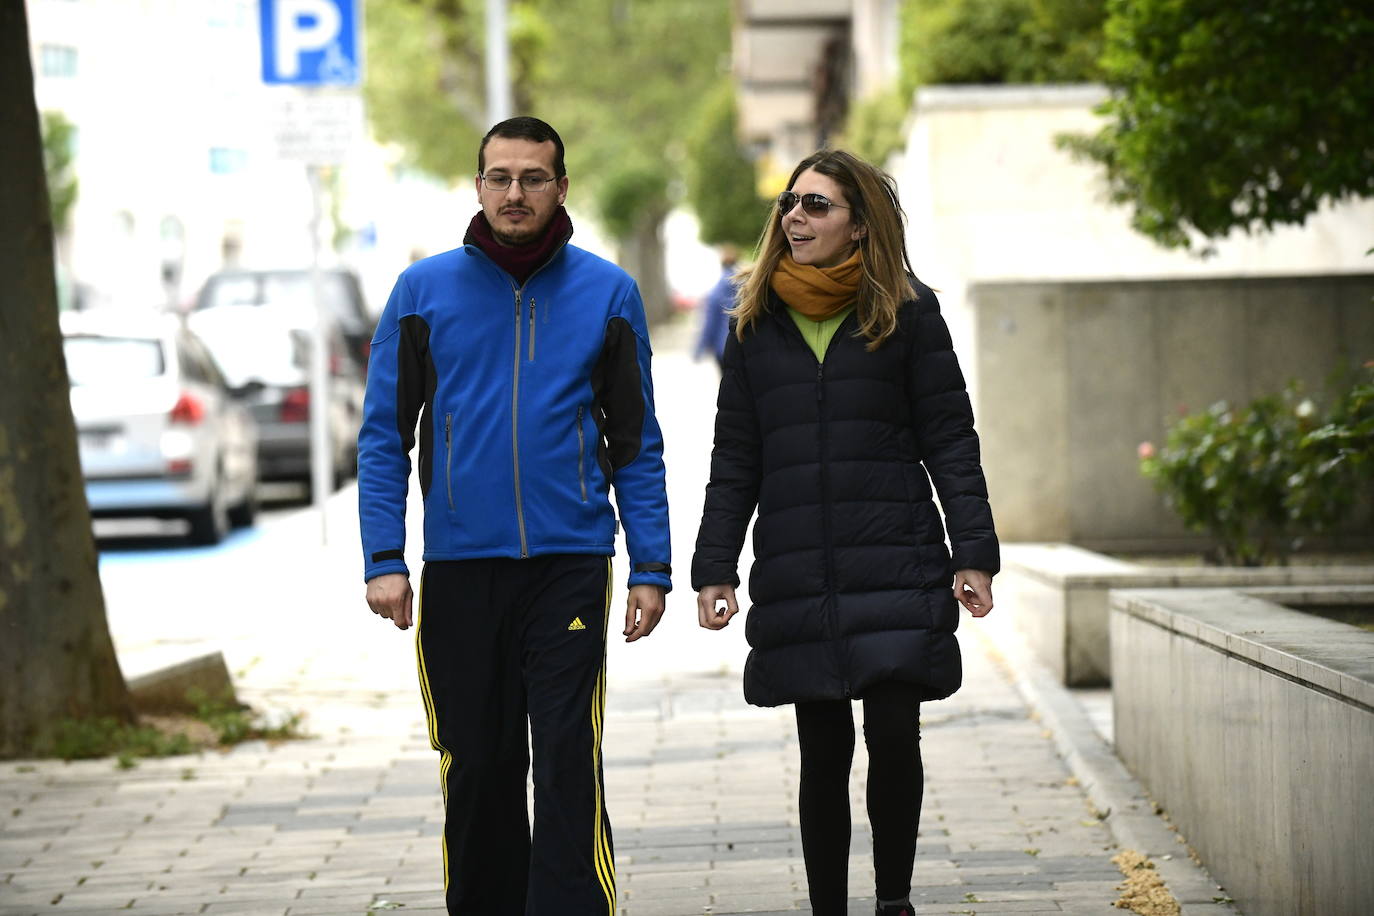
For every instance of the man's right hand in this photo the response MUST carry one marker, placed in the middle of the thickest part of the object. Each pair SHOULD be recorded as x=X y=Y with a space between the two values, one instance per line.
x=390 y=596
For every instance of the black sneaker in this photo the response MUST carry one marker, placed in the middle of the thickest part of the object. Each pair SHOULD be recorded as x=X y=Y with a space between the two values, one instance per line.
x=895 y=909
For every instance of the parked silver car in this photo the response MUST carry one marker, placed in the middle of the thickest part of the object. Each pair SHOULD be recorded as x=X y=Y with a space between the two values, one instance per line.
x=158 y=431
x=265 y=355
x=291 y=290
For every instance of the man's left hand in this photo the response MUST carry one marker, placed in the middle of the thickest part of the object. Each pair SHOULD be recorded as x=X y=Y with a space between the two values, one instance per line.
x=643 y=610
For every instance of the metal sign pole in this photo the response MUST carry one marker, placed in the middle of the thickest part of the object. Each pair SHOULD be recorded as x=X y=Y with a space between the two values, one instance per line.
x=311 y=44
x=321 y=471
x=498 y=63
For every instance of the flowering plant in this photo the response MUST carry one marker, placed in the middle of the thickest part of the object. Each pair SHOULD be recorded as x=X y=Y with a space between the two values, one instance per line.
x=1262 y=478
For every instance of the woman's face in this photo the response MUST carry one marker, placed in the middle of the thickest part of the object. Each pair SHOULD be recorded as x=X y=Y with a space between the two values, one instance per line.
x=821 y=241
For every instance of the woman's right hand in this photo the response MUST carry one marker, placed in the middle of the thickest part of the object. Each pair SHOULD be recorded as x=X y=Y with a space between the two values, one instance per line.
x=709 y=615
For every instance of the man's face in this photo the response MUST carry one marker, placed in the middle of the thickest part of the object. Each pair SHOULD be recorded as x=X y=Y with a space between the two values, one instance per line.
x=517 y=216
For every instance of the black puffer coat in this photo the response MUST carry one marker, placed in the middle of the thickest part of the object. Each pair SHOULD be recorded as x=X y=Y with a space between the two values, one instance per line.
x=851 y=584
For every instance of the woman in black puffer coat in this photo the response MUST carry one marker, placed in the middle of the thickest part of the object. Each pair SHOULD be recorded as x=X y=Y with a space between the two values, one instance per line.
x=841 y=401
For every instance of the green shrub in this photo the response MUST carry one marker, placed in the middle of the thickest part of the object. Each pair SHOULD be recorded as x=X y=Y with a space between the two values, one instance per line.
x=1338 y=456
x=82 y=739
x=234 y=723
x=1263 y=478
x=229 y=723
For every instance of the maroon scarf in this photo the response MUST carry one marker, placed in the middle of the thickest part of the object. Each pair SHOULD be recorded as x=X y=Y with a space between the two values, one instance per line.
x=520 y=261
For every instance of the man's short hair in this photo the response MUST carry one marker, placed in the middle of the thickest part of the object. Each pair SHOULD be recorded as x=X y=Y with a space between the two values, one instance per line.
x=524 y=128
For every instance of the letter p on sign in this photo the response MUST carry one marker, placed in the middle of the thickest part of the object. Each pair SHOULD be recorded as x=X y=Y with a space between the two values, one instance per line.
x=309 y=42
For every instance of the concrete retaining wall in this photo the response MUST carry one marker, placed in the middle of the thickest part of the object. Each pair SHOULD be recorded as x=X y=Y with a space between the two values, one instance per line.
x=1073 y=376
x=1058 y=595
x=1252 y=726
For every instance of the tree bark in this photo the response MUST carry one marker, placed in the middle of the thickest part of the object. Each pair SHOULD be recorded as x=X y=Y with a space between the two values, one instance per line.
x=57 y=660
x=644 y=257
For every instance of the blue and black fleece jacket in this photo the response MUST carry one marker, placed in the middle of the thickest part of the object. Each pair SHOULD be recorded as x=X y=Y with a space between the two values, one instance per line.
x=531 y=401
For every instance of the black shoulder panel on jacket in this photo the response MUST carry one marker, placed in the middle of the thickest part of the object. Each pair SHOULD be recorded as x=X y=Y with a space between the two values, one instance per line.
x=415 y=384
x=619 y=394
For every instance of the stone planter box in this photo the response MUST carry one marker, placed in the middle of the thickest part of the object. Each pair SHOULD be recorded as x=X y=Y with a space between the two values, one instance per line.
x=1057 y=594
x=1252 y=726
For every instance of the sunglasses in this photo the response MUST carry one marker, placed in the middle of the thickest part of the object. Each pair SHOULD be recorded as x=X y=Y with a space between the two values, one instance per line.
x=813 y=204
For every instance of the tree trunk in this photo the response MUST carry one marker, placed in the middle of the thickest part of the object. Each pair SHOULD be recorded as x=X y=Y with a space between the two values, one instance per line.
x=57 y=660
x=644 y=257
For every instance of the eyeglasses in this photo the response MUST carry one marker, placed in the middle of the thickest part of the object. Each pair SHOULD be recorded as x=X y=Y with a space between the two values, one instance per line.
x=813 y=204
x=531 y=184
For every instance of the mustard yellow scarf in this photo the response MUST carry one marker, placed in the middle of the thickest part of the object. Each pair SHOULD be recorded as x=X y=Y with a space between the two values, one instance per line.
x=818 y=292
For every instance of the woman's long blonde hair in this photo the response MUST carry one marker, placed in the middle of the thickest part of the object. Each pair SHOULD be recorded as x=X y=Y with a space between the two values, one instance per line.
x=886 y=281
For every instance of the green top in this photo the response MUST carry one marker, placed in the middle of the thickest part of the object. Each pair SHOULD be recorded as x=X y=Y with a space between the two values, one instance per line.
x=817 y=334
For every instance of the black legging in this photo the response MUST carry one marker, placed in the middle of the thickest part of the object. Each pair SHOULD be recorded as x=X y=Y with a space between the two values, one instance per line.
x=825 y=733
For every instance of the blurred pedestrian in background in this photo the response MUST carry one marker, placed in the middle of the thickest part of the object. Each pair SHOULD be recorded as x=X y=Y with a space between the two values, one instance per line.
x=715 y=308
x=839 y=385
x=530 y=360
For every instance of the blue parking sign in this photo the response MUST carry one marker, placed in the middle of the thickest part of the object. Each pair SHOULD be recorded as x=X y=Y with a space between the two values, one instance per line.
x=310 y=42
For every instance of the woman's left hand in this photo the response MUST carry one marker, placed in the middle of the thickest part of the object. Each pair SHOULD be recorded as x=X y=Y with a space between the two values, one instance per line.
x=709 y=614
x=973 y=589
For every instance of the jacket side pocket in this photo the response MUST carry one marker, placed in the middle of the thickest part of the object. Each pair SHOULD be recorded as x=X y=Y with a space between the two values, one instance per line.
x=581 y=455
x=448 y=458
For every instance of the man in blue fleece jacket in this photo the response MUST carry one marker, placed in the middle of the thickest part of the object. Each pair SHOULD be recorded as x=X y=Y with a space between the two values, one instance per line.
x=525 y=362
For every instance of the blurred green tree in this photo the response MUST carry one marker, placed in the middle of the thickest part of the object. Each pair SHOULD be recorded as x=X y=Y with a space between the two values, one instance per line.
x=59 y=155
x=1234 y=117
x=425 y=88
x=623 y=81
x=999 y=41
x=57 y=660
x=722 y=186
x=977 y=42
x=873 y=128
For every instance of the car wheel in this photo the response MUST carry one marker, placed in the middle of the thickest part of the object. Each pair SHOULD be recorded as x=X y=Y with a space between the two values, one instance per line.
x=210 y=523
x=245 y=513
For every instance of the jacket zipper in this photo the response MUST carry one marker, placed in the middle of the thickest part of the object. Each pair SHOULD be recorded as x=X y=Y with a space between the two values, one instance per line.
x=448 y=457
x=515 y=396
x=826 y=533
x=515 y=429
x=581 y=454
x=531 y=329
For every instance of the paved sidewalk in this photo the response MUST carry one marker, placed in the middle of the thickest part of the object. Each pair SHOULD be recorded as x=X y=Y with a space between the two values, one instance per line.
x=701 y=788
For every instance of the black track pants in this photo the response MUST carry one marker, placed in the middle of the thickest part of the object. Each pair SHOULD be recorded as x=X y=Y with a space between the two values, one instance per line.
x=825 y=735
x=502 y=643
